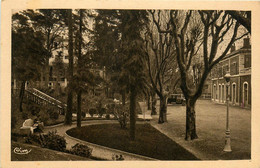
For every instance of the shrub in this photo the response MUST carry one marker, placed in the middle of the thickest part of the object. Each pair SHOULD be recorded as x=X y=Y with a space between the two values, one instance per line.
x=81 y=150
x=122 y=115
x=92 y=111
x=102 y=111
x=53 y=112
x=110 y=108
x=44 y=116
x=107 y=116
x=53 y=141
x=117 y=157
x=33 y=139
x=83 y=114
x=33 y=108
x=25 y=115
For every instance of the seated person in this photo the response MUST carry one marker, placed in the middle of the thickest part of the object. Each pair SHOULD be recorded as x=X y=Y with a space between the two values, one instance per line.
x=38 y=125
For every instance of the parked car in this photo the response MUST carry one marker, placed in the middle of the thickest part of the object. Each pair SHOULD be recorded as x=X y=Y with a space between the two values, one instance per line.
x=176 y=98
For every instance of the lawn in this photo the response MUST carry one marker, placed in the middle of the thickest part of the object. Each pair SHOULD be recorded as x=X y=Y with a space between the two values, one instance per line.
x=37 y=153
x=149 y=142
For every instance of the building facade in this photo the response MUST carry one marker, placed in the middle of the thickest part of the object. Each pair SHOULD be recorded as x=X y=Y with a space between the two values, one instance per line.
x=238 y=64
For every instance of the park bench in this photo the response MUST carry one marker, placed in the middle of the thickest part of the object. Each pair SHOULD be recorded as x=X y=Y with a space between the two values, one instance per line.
x=29 y=126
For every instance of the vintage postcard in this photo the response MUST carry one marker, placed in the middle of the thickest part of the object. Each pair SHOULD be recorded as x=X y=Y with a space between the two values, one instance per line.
x=111 y=83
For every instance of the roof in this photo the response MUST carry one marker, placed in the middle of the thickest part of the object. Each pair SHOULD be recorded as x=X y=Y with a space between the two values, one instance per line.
x=236 y=52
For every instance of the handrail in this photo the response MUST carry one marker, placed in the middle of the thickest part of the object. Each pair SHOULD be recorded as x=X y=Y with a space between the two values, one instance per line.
x=46 y=97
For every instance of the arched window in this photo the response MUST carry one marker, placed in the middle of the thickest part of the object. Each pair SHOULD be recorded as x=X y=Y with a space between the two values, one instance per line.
x=214 y=92
x=219 y=91
x=223 y=97
x=245 y=94
x=234 y=93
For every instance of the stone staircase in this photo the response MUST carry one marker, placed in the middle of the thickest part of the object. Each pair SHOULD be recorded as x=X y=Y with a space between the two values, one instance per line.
x=43 y=99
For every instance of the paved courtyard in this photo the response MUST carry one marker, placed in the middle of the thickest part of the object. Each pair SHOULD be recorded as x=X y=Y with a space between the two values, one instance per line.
x=211 y=124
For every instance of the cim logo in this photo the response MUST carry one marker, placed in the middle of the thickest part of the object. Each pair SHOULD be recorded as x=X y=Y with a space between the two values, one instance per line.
x=21 y=151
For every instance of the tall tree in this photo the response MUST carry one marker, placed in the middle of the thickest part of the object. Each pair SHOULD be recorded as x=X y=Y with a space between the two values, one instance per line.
x=27 y=52
x=243 y=17
x=132 y=24
x=106 y=39
x=211 y=26
x=161 y=57
x=52 y=23
x=68 y=115
x=79 y=69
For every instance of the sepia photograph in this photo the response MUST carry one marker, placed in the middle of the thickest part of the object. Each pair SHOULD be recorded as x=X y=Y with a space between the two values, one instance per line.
x=114 y=84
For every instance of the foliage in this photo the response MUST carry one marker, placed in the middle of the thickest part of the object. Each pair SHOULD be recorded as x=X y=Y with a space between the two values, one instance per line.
x=44 y=116
x=33 y=108
x=83 y=114
x=102 y=111
x=92 y=111
x=53 y=112
x=25 y=115
x=81 y=150
x=122 y=115
x=13 y=121
x=53 y=141
x=110 y=108
x=28 y=52
x=198 y=28
x=133 y=69
x=117 y=157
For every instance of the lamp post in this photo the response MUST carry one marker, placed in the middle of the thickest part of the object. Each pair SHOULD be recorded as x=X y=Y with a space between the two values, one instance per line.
x=227 y=147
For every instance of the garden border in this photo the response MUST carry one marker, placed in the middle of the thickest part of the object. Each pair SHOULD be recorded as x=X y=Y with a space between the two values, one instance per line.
x=110 y=151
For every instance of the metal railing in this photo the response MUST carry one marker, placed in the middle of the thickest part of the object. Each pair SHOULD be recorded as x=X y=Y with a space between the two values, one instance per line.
x=43 y=99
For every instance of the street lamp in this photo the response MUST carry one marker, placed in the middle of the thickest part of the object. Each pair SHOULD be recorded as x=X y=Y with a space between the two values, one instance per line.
x=227 y=147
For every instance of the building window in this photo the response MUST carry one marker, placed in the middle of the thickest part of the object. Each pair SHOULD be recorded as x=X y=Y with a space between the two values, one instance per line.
x=214 y=92
x=206 y=86
x=225 y=69
x=223 y=86
x=66 y=57
x=219 y=91
x=220 y=72
x=234 y=69
x=234 y=93
x=247 y=61
x=245 y=94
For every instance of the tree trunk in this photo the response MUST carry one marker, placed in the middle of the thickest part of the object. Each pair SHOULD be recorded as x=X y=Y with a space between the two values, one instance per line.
x=21 y=96
x=148 y=101
x=163 y=110
x=47 y=75
x=190 y=120
x=132 y=112
x=79 y=109
x=123 y=97
x=68 y=117
x=153 y=104
x=79 y=68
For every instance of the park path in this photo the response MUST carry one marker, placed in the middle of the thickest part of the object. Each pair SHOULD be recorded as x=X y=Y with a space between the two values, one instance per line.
x=98 y=151
x=211 y=122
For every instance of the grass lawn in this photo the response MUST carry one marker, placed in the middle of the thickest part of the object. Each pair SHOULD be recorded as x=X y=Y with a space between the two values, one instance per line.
x=41 y=154
x=149 y=142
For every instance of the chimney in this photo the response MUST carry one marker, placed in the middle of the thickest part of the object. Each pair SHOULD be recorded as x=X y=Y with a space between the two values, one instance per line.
x=233 y=48
x=246 y=43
